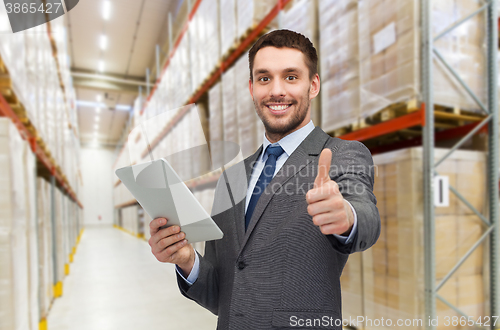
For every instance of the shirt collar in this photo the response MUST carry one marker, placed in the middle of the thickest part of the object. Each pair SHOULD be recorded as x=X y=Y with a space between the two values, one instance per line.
x=290 y=142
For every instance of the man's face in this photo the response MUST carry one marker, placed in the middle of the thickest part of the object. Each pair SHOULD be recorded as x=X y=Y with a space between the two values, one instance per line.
x=281 y=89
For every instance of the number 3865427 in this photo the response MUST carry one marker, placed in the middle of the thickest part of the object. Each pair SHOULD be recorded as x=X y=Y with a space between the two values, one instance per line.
x=32 y=8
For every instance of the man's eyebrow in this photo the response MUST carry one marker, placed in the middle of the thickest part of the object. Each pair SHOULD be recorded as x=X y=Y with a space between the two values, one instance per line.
x=292 y=70
x=259 y=71
x=287 y=70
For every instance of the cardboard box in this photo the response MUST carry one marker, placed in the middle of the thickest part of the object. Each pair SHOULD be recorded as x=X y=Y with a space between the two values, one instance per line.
x=393 y=269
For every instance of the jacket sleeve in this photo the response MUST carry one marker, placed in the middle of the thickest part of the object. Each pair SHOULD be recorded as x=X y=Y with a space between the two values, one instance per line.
x=354 y=172
x=205 y=290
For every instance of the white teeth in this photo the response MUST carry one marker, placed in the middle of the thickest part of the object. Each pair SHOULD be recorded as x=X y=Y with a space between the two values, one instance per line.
x=278 y=107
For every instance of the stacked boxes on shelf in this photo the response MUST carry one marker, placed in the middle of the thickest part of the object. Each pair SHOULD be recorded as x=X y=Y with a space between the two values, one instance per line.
x=301 y=18
x=228 y=25
x=128 y=155
x=45 y=246
x=121 y=195
x=58 y=230
x=26 y=231
x=130 y=219
x=204 y=48
x=29 y=165
x=389 y=63
x=230 y=122
x=389 y=53
x=181 y=146
x=186 y=58
x=185 y=87
x=239 y=17
x=14 y=222
x=140 y=221
x=391 y=273
x=36 y=79
x=339 y=63
x=251 y=13
x=215 y=124
x=370 y=56
x=198 y=147
x=249 y=134
x=464 y=49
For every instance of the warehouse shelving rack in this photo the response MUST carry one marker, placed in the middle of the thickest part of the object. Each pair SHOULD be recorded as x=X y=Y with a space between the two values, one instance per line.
x=45 y=166
x=42 y=157
x=29 y=134
x=425 y=118
x=429 y=52
x=225 y=64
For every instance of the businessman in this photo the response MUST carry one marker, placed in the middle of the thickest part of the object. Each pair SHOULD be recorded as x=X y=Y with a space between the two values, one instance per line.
x=308 y=204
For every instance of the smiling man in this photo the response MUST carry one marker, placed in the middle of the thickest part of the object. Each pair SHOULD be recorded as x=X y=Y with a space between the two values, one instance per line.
x=309 y=203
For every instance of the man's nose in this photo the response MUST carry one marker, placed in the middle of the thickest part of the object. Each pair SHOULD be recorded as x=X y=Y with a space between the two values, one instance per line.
x=277 y=88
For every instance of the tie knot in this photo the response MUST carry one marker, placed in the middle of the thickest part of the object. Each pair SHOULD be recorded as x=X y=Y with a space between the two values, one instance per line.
x=275 y=151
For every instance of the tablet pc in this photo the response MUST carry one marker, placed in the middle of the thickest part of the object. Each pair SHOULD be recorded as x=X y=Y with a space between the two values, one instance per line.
x=161 y=193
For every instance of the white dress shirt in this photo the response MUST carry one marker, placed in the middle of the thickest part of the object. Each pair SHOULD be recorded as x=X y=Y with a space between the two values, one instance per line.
x=289 y=143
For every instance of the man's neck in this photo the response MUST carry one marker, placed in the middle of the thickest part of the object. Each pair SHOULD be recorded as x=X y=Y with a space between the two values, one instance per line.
x=275 y=137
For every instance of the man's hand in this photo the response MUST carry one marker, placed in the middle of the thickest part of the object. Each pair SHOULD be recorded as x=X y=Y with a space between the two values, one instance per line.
x=330 y=212
x=169 y=245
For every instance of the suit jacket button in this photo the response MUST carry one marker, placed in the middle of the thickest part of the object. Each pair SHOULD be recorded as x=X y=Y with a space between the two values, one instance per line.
x=241 y=265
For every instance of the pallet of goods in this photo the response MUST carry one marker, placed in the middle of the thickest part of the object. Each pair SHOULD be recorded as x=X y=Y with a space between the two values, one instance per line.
x=204 y=41
x=387 y=280
x=35 y=80
x=301 y=17
x=215 y=124
x=45 y=246
x=377 y=65
x=339 y=63
x=229 y=114
x=250 y=129
x=228 y=25
x=250 y=13
x=19 y=262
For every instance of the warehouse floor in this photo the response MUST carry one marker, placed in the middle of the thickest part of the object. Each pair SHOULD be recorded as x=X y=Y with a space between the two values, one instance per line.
x=116 y=283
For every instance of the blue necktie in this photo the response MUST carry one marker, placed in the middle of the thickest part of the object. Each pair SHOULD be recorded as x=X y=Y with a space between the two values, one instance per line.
x=264 y=179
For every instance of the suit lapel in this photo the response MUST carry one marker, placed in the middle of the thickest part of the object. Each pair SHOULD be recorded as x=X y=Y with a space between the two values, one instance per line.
x=240 y=207
x=305 y=153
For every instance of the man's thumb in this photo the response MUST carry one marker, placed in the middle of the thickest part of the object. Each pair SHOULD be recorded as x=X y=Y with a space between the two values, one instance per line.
x=325 y=160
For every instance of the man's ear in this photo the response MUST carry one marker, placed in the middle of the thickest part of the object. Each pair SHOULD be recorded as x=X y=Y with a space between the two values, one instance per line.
x=315 y=87
x=250 y=87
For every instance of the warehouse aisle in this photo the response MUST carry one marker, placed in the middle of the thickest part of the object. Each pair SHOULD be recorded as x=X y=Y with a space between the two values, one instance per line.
x=116 y=283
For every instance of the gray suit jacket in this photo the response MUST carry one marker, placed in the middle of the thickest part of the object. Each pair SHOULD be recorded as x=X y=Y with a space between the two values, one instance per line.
x=283 y=269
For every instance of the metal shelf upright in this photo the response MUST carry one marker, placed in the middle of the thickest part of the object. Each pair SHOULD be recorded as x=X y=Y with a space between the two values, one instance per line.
x=429 y=53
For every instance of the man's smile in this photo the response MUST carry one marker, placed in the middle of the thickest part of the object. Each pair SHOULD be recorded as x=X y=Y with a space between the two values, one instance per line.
x=278 y=108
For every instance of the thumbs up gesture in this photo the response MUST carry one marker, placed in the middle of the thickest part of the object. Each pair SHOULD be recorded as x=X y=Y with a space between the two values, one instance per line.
x=329 y=211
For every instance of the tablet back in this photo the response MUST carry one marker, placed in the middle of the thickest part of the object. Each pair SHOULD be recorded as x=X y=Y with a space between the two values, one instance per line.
x=161 y=193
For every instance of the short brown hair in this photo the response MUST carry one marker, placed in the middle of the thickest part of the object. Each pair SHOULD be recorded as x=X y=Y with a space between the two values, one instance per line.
x=289 y=39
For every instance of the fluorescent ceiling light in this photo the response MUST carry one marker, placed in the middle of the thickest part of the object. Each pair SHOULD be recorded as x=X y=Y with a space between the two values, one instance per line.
x=103 y=41
x=96 y=127
x=106 y=10
x=97 y=118
x=99 y=105
x=101 y=66
x=123 y=107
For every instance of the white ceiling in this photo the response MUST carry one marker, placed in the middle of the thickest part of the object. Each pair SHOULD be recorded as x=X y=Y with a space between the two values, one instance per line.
x=133 y=30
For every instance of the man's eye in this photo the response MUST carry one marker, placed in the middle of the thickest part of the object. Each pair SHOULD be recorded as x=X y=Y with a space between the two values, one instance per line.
x=291 y=78
x=264 y=79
